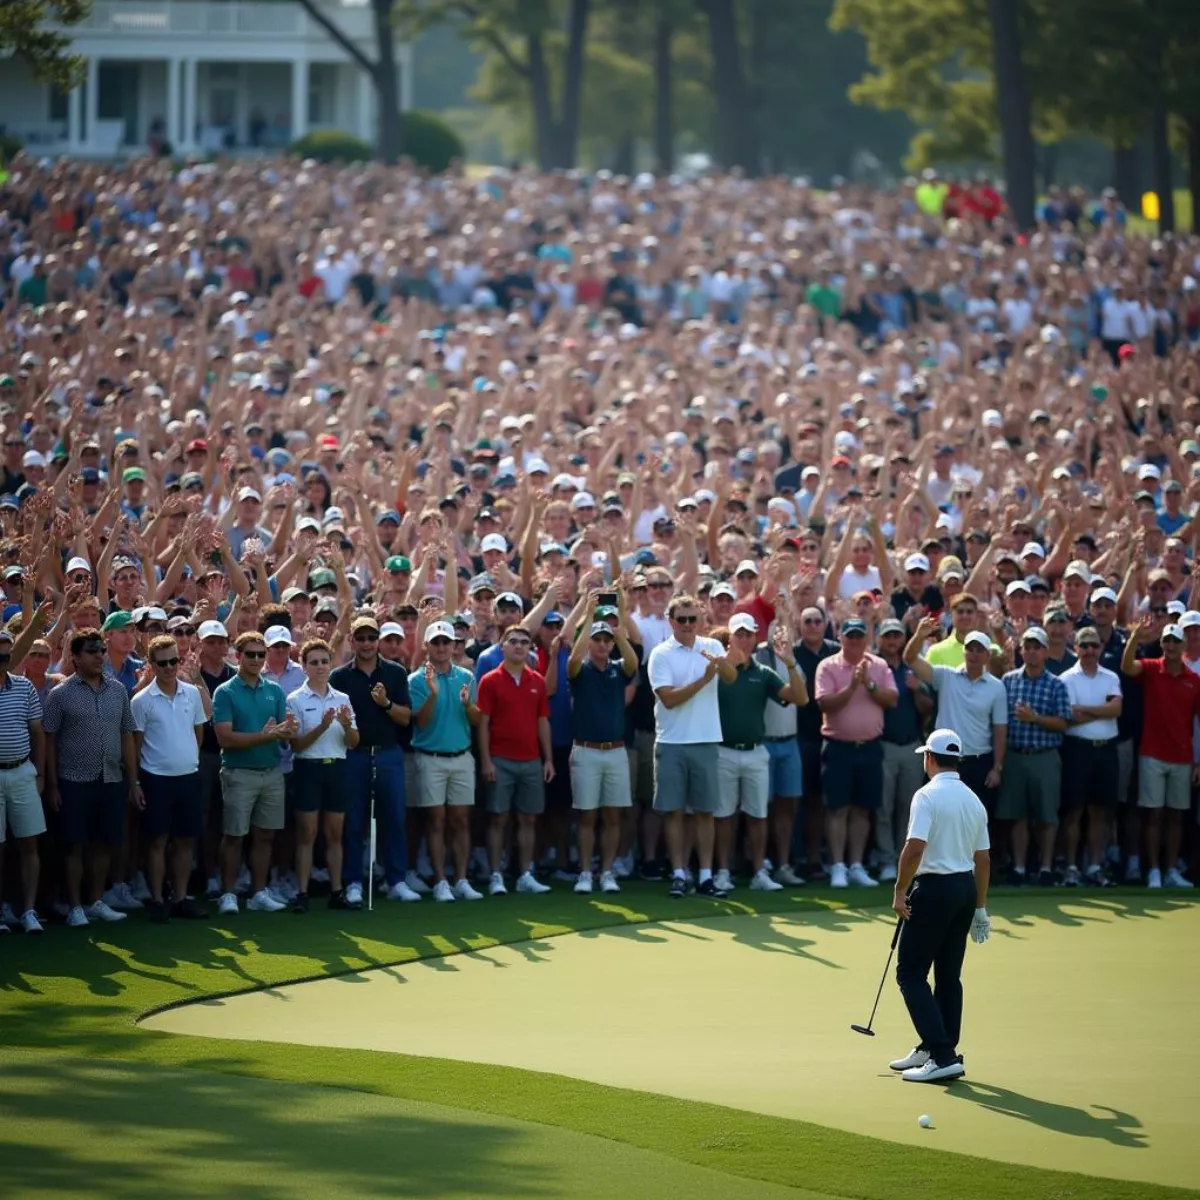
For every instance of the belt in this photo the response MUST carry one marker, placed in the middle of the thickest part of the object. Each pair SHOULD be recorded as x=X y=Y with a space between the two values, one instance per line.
x=600 y=745
x=847 y=742
x=741 y=745
x=1043 y=750
x=16 y=762
x=258 y=770
x=443 y=753
x=982 y=754
x=1068 y=740
x=787 y=737
x=324 y=762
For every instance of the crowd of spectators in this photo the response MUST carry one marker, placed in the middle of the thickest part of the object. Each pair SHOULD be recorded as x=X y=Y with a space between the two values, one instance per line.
x=352 y=509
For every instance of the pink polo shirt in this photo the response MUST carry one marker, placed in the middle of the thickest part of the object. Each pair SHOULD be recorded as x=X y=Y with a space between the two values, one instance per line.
x=861 y=719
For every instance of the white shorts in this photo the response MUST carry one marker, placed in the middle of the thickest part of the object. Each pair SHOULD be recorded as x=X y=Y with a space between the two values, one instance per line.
x=20 y=805
x=599 y=778
x=443 y=781
x=743 y=781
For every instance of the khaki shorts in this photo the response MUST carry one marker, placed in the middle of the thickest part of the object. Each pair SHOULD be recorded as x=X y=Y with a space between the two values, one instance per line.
x=1164 y=784
x=744 y=777
x=599 y=778
x=20 y=805
x=443 y=781
x=252 y=799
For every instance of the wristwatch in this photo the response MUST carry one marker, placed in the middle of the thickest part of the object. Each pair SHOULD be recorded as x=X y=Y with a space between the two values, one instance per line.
x=872 y=686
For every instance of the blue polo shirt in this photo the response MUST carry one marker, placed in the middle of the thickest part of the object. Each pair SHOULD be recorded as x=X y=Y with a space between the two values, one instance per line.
x=248 y=709
x=560 y=704
x=449 y=731
x=599 y=696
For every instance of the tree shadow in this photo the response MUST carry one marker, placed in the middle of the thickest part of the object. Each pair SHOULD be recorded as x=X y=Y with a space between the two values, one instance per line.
x=134 y=1132
x=1120 y=1128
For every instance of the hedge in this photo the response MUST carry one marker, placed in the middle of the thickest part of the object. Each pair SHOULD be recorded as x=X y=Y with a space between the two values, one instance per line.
x=428 y=141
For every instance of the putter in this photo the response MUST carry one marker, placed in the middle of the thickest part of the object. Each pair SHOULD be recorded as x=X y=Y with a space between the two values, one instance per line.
x=866 y=1029
x=372 y=844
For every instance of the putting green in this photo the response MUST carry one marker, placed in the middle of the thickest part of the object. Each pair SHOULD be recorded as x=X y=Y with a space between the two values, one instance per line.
x=1080 y=1046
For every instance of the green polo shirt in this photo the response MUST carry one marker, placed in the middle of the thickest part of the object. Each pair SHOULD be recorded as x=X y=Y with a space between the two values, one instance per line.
x=248 y=709
x=744 y=701
x=949 y=652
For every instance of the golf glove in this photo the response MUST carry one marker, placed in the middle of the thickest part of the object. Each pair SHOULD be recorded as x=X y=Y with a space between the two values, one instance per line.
x=981 y=926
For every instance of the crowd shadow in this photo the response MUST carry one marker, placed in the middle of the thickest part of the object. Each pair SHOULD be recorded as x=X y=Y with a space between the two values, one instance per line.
x=1098 y=1121
x=171 y=1121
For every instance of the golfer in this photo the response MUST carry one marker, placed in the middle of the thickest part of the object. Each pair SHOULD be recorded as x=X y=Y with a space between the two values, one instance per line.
x=941 y=896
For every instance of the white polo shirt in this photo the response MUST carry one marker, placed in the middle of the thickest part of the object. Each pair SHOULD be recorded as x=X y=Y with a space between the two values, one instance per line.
x=698 y=720
x=952 y=822
x=308 y=708
x=1092 y=690
x=654 y=630
x=168 y=727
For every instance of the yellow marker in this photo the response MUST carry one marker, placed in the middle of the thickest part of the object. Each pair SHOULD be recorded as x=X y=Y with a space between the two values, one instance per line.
x=1150 y=206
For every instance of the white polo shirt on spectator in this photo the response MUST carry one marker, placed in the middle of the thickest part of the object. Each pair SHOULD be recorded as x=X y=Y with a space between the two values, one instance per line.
x=308 y=708
x=970 y=706
x=654 y=630
x=672 y=665
x=1092 y=690
x=952 y=822
x=168 y=727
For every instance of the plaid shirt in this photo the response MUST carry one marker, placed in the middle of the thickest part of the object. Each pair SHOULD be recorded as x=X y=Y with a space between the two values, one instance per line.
x=1047 y=696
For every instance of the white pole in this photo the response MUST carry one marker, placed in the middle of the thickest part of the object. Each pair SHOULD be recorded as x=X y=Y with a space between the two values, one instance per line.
x=371 y=855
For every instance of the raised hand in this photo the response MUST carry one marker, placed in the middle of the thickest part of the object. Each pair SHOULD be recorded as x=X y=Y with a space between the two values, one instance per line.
x=380 y=696
x=926 y=628
x=431 y=680
x=464 y=695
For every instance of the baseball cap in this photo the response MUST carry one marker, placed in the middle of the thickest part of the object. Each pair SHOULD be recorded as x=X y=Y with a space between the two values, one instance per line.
x=197 y=446
x=14 y=572
x=891 y=625
x=599 y=629
x=1104 y=593
x=117 y=620
x=212 y=629
x=328 y=607
x=509 y=598
x=395 y=629
x=1189 y=620
x=583 y=500
x=1037 y=584
x=744 y=621
x=150 y=613
x=942 y=741
x=1149 y=471
x=978 y=638
x=323 y=577
x=1032 y=549
x=132 y=473
x=723 y=589
x=364 y=623
x=278 y=635
x=249 y=493
x=608 y=610
x=439 y=629
x=1035 y=633
x=480 y=583
x=854 y=625
x=397 y=562
x=916 y=562
x=79 y=564
x=292 y=593
x=1079 y=570
x=839 y=460
x=747 y=564
x=1172 y=631
x=1017 y=585
x=494 y=541
x=388 y=514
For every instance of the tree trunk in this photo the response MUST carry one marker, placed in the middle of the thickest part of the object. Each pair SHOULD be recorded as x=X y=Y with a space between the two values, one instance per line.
x=1126 y=177
x=625 y=156
x=568 y=125
x=664 y=131
x=736 y=145
x=545 y=135
x=1193 y=146
x=390 y=144
x=1049 y=158
x=1012 y=102
x=1160 y=137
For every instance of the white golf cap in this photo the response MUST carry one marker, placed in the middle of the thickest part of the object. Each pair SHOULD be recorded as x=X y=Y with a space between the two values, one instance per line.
x=1017 y=585
x=811 y=473
x=1189 y=620
x=916 y=562
x=1078 y=569
x=978 y=638
x=34 y=459
x=583 y=500
x=1172 y=631
x=212 y=629
x=942 y=741
x=723 y=589
x=79 y=564
x=747 y=564
x=249 y=493
x=277 y=635
x=537 y=466
x=493 y=541
x=1035 y=633
x=1032 y=549
x=993 y=419
x=150 y=613
x=439 y=629
x=741 y=621
x=1149 y=471
x=705 y=495
x=1104 y=593
x=393 y=629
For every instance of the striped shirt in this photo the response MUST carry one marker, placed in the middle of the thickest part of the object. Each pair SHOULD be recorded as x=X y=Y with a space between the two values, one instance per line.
x=19 y=704
x=89 y=724
x=1047 y=696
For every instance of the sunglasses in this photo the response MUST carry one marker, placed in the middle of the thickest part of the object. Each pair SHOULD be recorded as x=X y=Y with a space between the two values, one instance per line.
x=5 y=657
x=520 y=643
x=854 y=633
x=366 y=636
x=1082 y=646
x=660 y=584
x=686 y=620
x=439 y=641
x=166 y=662
x=92 y=648
x=253 y=654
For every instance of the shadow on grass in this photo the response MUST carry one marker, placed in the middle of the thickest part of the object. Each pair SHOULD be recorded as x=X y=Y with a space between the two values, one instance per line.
x=1099 y=1121
x=128 y=1132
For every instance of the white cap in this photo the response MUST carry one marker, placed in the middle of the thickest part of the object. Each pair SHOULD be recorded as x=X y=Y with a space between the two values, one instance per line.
x=993 y=418
x=1037 y=634
x=308 y=523
x=79 y=564
x=150 y=613
x=1079 y=569
x=1017 y=585
x=743 y=621
x=705 y=494
x=723 y=589
x=583 y=500
x=493 y=541
x=747 y=564
x=810 y=472
x=1176 y=608
x=439 y=629
x=212 y=629
x=942 y=741
x=1149 y=471
x=249 y=493
x=916 y=562
x=333 y=516
x=563 y=480
x=1189 y=620
x=392 y=629
x=1104 y=593
x=1171 y=631
x=538 y=465
x=978 y=638
x=1032 y=549
x=278 y=634
x=34 y=459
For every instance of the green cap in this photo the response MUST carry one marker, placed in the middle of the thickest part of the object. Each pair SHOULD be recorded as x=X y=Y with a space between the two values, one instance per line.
x=131 y=473
x=117 y=620
x=6 y=381
x=607 y=610
x=321 y=578
x=398 y=563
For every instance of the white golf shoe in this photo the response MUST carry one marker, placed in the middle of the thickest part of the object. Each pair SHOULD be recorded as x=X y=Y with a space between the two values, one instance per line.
x=859 y=877
x=914 y=1058
x=401 y=891
x=464 y=891
x=583 y=884
x=417 y=884
x=762 y=882
x=837 y=876
x=496 y=885
x=528 y=884
x=608 y=882
x=443 y=893
x=930 y=1072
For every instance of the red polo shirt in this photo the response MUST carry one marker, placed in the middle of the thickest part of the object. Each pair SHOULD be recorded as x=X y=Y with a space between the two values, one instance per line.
x=1171 y=701
x=513 y=709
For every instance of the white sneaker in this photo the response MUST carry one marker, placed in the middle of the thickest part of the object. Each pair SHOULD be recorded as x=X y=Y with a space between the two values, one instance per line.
x=213 y=888
x=622 y=868
x=887 y=873
x=140 y=888
x=565 y=876
x=526 y=883
x=788 y=877
x=424 y=866
x=762 y=882
x=583 y=884
x=100 y=911
x=930 y=1072
x=7 y=916
x=30 y=922
x=284 y=890
x=443 y=893
x=228 y=906
x=1175 y=879
x=496 y=885
x=417 y=884
x=263 y=901
x=608 y=882
x=914 y=1058
x=1133 y=869
x=464 y=891
x=722 y=882
x=319 y=875
x=120 y=896
x=837 y=876
x=77 y=918
x=243 y=879
x=401 y=891
x=354 y=895
x=1154 y=879
x=859 y=876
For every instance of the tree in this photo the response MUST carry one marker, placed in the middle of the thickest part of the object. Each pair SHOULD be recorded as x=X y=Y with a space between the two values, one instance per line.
x=381 y=69
x=23 y=31
x=736 y=142
x=1012 y=102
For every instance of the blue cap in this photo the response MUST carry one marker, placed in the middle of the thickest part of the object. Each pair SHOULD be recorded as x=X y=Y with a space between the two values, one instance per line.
x=257 y=452
x=645 y=558
x=854 y=625
x=388 y=515
x=89 y=475
x=9 y=502
x=170 y=478
x=554 y=618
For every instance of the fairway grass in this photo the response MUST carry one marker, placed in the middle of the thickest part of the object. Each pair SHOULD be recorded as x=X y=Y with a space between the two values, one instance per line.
x=78 y=994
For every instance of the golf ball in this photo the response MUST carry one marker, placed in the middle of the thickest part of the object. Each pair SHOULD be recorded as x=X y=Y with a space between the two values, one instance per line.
x=924 y=1120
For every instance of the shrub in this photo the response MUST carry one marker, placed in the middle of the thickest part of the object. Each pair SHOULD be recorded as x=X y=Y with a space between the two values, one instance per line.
x=10 y=147
x=330 y=145
x=428 y=141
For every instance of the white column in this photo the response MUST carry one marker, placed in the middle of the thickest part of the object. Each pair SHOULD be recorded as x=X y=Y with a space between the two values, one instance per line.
x=74 y=119
x=365 y=97
x=187 y=135
x=299 y=98
x=404 y=66
x=173 y=73
x=91 y=101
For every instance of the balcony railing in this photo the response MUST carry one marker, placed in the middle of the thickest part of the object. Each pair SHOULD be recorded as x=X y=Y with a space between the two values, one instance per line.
x=210 y=18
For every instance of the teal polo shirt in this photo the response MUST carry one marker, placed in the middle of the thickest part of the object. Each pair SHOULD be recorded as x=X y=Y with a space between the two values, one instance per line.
x=449 y=731
x=248 y=709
